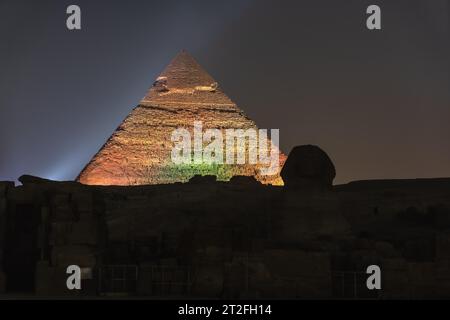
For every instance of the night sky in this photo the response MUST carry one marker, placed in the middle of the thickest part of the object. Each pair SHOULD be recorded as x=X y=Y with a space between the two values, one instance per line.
x=378 y=102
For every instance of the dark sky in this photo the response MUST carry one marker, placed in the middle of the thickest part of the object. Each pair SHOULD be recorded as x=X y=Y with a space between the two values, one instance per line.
x=377 y=101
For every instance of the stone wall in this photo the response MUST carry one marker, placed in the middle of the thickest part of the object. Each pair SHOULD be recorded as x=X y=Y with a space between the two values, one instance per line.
x=4 y=186
x=215 y=240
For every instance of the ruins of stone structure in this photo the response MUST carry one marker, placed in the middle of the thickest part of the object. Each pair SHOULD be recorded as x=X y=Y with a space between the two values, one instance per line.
x=138 y=153
x=138 y=225
x=236 y=239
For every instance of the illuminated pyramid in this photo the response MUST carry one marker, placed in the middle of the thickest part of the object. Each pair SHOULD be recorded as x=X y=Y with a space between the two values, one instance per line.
x=139 y=151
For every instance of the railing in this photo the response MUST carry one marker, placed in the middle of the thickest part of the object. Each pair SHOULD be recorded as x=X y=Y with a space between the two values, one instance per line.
x=118 y=279
x=165 y=280
x=351 y=285
x=145 y=280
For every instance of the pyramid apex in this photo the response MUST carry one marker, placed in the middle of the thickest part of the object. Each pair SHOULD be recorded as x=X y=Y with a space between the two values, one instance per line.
x=182 y=54
x=184 y=71
x=186 y=81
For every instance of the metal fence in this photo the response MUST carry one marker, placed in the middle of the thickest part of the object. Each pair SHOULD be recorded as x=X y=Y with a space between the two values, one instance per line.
x=152 y=280
x=351 y=285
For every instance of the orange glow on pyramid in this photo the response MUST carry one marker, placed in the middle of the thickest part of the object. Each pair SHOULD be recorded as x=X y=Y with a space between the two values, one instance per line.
x=139 y=151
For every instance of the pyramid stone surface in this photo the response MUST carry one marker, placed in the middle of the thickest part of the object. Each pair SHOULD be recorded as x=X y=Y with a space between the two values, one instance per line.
x=139 y=151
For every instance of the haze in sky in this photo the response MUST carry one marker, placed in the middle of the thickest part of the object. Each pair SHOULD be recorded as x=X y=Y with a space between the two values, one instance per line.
x=376 y=101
